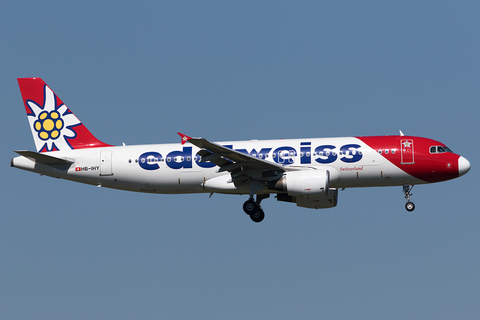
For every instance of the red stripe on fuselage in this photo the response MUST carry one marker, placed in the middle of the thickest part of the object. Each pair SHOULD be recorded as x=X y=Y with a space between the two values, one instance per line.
x=416 y=159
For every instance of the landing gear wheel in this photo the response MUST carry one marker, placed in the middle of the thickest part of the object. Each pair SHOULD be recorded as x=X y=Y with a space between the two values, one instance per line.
x=407 y=188
x=258 y=216
x=250 y=207
x=410 y=206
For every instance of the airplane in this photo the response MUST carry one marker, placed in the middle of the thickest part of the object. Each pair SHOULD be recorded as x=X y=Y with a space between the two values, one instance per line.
x=307 y=172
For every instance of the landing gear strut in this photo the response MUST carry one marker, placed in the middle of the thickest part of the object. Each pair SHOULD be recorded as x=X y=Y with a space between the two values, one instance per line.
x=253 y=209
x=410 y=206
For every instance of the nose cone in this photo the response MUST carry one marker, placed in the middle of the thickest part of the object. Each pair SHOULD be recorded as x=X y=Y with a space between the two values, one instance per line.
x=463 y=166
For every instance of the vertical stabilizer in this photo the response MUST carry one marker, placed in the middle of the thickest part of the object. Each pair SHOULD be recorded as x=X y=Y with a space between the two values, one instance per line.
x=54 y=127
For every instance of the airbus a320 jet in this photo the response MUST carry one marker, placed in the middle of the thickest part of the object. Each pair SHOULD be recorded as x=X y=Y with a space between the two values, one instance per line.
x=307 y=172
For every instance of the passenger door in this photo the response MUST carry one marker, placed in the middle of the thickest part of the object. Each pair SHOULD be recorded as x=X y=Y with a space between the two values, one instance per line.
x=106 y=163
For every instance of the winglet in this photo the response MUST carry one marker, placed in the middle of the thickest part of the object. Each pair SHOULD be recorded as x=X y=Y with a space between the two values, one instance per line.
x=185 y=138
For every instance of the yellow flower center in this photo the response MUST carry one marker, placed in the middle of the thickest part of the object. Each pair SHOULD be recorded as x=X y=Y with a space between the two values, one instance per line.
x=48 y=125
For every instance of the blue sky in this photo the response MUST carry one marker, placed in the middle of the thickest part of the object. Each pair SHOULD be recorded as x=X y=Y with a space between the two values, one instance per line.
x=139 y=72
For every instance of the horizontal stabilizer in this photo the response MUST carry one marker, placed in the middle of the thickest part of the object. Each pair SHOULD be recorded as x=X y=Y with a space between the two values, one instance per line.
x=43 y=158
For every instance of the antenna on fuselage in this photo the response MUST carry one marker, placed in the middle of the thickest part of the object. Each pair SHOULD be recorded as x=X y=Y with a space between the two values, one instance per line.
x=401 y=133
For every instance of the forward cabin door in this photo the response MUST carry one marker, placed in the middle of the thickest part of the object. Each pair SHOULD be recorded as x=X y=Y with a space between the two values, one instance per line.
x=106 y=163
x=407 y=151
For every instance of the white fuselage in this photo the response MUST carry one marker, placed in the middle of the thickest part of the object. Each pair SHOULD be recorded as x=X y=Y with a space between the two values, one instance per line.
x=175 y=168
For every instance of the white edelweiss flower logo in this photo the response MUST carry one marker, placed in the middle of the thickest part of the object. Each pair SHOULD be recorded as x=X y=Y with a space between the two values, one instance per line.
x=51 y=125
x=407 y=144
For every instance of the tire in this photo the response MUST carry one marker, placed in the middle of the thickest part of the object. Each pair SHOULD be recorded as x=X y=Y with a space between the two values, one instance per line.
x=258 y=216
x=410 y=206
x=250 y=207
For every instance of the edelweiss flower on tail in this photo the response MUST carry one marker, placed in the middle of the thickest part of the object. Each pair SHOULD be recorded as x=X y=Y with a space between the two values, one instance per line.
x=54 y=127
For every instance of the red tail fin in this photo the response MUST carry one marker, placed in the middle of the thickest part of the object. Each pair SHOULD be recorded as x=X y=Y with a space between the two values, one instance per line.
x=54 y=127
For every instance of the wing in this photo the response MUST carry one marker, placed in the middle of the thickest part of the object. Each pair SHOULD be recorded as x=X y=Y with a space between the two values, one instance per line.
x=241 y=166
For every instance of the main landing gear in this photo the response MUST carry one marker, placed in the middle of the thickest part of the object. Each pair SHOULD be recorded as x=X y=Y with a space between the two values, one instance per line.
x=410 y=206
x=253 y=209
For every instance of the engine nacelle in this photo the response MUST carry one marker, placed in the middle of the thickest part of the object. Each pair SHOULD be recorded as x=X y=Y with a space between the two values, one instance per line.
x=308 y=183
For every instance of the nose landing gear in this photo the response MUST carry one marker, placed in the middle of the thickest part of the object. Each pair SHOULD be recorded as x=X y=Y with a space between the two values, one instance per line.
x=410 y=206
x=253 y=209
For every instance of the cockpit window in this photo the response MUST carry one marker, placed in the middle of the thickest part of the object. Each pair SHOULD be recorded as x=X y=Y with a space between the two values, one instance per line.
x=439 y=149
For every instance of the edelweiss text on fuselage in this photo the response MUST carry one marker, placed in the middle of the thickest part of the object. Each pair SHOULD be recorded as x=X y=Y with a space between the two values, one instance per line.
x=324 y=154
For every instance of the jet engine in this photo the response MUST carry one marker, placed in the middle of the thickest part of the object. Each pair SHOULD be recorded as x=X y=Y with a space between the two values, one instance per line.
x=304 y=183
